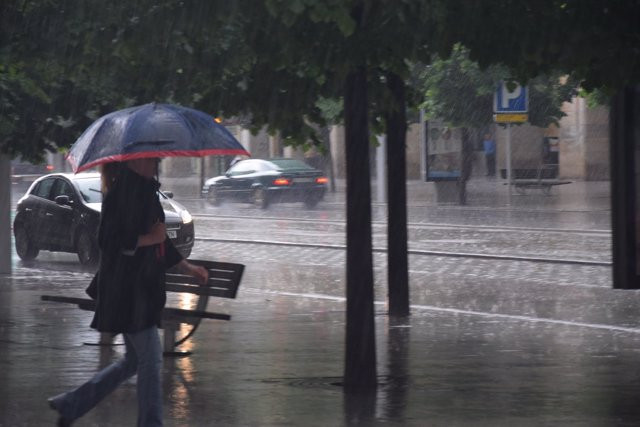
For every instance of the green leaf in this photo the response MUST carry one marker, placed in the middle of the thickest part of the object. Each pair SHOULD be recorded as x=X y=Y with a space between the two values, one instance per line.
x=346 y=24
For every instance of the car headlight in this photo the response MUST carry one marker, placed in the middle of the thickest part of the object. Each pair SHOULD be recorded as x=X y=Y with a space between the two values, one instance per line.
x=186 y=217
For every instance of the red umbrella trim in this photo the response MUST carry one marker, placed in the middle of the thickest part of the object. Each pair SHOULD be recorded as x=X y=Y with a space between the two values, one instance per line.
x=152 y=154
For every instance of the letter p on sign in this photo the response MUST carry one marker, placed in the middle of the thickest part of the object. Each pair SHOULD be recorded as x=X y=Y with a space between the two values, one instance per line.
x=515 y=101
x=509 y=96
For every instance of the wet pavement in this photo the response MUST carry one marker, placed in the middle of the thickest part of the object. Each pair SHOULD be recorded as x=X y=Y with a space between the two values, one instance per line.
x=490 y=342
x=583 y=204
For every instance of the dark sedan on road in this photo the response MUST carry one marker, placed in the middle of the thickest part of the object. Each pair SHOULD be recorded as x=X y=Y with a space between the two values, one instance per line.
x=263 y=182
x=61 y=212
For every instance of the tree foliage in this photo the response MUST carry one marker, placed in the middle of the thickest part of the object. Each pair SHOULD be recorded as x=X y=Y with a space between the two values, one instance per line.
x=594 y=40
x=25 y=83
x=65 y=63
x=457 y=90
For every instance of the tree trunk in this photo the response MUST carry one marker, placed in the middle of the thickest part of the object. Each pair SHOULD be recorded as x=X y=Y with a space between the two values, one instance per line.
x=398 y=266
x=360 y=363
x=466 y=160
x=5 y=214
x=625 y=211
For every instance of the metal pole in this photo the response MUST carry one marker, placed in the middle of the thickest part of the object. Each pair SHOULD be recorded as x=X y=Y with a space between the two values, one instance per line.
x=508 y=155
x=202 y=176
x=423 y=148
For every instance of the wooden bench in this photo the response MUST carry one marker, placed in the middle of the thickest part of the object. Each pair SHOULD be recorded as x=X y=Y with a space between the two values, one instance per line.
x=544 y=185
x=540 y=181
x=224 y=280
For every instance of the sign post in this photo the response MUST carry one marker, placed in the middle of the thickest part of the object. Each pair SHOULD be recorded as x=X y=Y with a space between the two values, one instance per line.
x=510 y=106
x=508 y=154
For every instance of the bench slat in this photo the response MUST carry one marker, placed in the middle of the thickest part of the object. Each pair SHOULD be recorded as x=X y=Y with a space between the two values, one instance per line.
x=171 y=313
x=82 y=303
x=538 y=181
x=201 y=290
x=214 y=282
x=213 y=275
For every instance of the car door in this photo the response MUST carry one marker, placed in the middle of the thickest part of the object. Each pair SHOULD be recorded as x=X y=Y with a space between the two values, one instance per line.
x=61 y=216
x=35 y=206
x=238 y=182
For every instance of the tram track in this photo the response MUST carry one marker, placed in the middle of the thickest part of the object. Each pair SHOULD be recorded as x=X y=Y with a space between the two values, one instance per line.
x=283 y=241
x=417 y=225
x=566 y=261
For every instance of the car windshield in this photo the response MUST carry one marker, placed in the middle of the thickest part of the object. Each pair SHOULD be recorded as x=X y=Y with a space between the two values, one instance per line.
x=90 y=189
x=290 y=164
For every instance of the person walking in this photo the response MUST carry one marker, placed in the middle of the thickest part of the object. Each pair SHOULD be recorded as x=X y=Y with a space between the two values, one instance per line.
x=129 y=290
x=489 y=146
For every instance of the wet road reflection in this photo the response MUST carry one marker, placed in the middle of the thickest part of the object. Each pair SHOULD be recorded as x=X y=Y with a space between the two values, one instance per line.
x=393 y=393
x=276 y=362
x=360 y=407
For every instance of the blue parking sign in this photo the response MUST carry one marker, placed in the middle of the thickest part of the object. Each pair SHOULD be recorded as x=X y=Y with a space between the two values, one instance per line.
x=515 y=101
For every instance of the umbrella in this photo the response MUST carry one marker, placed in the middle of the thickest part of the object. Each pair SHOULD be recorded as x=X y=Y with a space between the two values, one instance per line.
x=151 y=130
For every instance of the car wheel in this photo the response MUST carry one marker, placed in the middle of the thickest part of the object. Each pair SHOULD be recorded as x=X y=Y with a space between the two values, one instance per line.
x=213 y=197
x=260 y=198
x=24 y=246
x=86 y=250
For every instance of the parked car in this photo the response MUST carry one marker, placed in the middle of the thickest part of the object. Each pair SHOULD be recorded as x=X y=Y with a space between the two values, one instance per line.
x=263 y=182
x=61 y=212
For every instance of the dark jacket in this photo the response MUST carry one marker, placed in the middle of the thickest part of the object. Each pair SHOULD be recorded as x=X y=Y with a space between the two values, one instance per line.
x=129 y=286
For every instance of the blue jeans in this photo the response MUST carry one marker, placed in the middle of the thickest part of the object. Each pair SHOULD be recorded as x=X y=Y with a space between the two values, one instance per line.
x=144 y=357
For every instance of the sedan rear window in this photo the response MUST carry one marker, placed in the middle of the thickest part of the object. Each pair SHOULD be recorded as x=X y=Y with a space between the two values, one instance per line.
x=290 y=164
x=90 y=189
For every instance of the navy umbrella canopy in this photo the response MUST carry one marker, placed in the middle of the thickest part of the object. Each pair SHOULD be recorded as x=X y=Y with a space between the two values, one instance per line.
x=151 y=130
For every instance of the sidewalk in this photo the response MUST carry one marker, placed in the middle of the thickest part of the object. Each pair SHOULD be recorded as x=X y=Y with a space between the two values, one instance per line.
x=279 y=362
x=493 y=193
